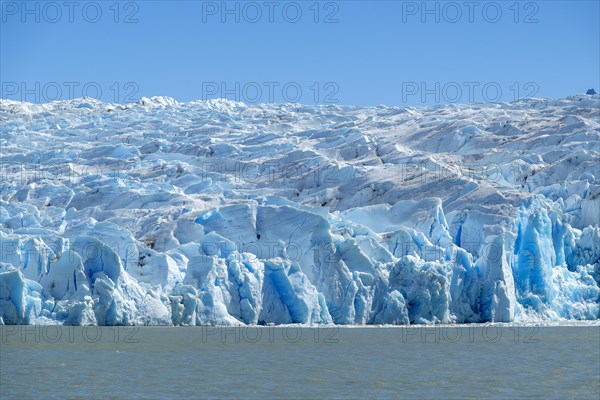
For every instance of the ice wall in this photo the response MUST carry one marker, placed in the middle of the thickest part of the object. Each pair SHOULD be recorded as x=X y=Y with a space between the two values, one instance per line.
x=220 y=213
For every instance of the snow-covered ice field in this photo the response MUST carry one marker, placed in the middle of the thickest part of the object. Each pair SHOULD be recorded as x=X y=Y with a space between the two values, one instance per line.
x=215 y=212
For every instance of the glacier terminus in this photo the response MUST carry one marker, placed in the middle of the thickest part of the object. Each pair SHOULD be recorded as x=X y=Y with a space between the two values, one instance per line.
x=221 y=213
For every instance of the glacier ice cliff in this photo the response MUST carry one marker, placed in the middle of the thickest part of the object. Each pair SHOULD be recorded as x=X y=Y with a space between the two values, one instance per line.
x=217 y=212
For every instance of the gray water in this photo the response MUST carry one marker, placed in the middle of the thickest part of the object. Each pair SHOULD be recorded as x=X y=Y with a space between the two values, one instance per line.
x=274 y=362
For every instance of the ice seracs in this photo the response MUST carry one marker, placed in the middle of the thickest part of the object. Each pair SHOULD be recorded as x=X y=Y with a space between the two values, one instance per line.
x=218 y=212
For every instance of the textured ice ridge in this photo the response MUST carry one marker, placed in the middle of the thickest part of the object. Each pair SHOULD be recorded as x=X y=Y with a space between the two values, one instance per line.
x=217 y=212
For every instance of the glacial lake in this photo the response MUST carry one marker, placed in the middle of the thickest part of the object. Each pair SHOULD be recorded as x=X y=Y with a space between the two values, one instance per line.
x=435 y=362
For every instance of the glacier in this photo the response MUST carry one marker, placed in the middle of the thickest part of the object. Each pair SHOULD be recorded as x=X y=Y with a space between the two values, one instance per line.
x=217 y=212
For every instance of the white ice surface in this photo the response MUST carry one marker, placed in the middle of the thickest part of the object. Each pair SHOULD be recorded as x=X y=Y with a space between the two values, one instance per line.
x=216 y=212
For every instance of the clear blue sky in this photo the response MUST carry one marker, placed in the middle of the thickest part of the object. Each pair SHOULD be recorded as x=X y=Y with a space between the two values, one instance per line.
x=378 y=52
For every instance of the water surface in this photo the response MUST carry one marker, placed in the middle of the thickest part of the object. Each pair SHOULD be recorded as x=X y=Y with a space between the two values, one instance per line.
x=291 y=362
